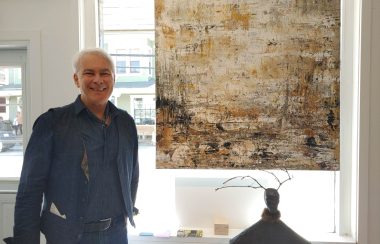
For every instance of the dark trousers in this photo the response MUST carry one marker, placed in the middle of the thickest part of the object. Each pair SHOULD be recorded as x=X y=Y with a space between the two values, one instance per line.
x=114 y=235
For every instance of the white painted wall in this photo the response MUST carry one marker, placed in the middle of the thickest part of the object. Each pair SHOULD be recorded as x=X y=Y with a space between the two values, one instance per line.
x=56 y=21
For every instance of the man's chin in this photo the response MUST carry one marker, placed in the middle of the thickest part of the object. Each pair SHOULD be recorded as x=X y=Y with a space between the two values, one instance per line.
x=98 y=100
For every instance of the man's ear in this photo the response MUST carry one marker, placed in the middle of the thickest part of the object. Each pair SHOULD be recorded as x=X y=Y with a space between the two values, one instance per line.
x=76 y=80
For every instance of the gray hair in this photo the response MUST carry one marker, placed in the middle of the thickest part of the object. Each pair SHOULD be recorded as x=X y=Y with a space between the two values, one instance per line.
x=95 y=51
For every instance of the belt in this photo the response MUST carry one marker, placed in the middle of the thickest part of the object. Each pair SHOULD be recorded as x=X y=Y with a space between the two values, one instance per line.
x=103 y=224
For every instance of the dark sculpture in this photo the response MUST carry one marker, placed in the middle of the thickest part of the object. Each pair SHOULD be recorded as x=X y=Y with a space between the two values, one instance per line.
x=272 y=199
x=270 y=229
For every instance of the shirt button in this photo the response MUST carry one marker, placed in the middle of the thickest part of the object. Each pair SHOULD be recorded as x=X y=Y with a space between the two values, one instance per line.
x=83 y=199
x=81 y=218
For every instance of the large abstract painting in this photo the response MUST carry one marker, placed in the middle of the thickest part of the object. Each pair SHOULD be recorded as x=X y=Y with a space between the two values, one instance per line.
x=248 y=84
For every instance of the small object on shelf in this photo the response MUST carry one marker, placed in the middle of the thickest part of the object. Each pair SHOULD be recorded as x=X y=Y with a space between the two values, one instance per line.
x=270 y=229
x=189 y=233
x=221 y=229
x=162 y=234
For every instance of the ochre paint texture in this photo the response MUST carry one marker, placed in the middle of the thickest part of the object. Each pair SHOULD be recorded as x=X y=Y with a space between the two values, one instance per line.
x=248 y=84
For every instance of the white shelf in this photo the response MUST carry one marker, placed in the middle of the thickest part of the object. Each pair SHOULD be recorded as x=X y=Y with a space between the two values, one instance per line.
x=210 y=238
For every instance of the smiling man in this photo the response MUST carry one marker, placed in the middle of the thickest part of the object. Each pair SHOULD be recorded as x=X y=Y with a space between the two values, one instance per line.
x=94 y=75
x=82 y=161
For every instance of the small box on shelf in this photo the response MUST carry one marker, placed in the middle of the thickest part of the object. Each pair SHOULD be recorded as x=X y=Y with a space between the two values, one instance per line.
x=221 y=229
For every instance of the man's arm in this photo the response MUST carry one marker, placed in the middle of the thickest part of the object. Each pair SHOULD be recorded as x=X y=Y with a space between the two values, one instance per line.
x=136 y=172
x=33 y=181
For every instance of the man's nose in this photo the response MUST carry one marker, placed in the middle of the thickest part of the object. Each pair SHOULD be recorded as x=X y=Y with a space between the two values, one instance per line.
x=98 y=78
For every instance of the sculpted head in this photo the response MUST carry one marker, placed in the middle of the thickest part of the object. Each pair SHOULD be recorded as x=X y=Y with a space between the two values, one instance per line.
x=272 y=199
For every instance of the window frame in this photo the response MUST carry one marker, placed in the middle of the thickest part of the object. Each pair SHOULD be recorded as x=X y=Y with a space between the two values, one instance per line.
x=32 y=85
x=355 y=57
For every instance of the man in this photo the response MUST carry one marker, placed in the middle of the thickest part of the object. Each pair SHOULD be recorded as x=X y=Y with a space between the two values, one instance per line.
x=19 y=122
x=82 y=161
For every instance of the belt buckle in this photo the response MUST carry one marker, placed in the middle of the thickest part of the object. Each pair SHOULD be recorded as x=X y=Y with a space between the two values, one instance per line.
x=107 y=221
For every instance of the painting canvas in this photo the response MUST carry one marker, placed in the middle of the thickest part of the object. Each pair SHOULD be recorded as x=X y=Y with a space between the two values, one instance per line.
x=248 y=84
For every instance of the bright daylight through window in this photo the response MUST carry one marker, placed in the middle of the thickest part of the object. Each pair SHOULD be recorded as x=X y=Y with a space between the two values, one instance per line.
x=309 y=201
x=11 y=121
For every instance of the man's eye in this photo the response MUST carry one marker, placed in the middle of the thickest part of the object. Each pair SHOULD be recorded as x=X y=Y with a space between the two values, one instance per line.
x=105 y=74
x=88 y=73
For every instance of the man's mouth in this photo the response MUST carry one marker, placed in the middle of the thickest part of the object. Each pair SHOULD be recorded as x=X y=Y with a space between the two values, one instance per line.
x=98 y=89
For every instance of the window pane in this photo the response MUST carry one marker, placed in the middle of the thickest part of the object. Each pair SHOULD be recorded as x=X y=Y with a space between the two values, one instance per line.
x=11 y=121
x=122 y=15
x=127 y=33
x=144 y=111
x=133 y=53
x=135 y=66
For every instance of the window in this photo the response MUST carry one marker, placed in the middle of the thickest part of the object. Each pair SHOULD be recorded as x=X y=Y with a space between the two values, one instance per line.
x=12 y=63
x=2 y=78
x=121 y=62
x=320 y=195
x=120 y=66
x=127 y=33
x=144 y=111
x=135 y=66
x=3 y=108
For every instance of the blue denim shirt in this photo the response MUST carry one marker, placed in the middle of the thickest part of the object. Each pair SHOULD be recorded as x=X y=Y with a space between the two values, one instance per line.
x=101 y=145
x=52 y=172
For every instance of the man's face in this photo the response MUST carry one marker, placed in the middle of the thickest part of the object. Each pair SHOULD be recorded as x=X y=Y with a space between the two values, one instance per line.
x=95 y=80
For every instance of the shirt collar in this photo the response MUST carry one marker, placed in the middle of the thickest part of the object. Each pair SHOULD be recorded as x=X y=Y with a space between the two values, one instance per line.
x=79 y=107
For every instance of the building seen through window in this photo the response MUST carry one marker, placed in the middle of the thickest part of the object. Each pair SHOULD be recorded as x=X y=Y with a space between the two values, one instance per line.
x=11 y=117
x=127 y=34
